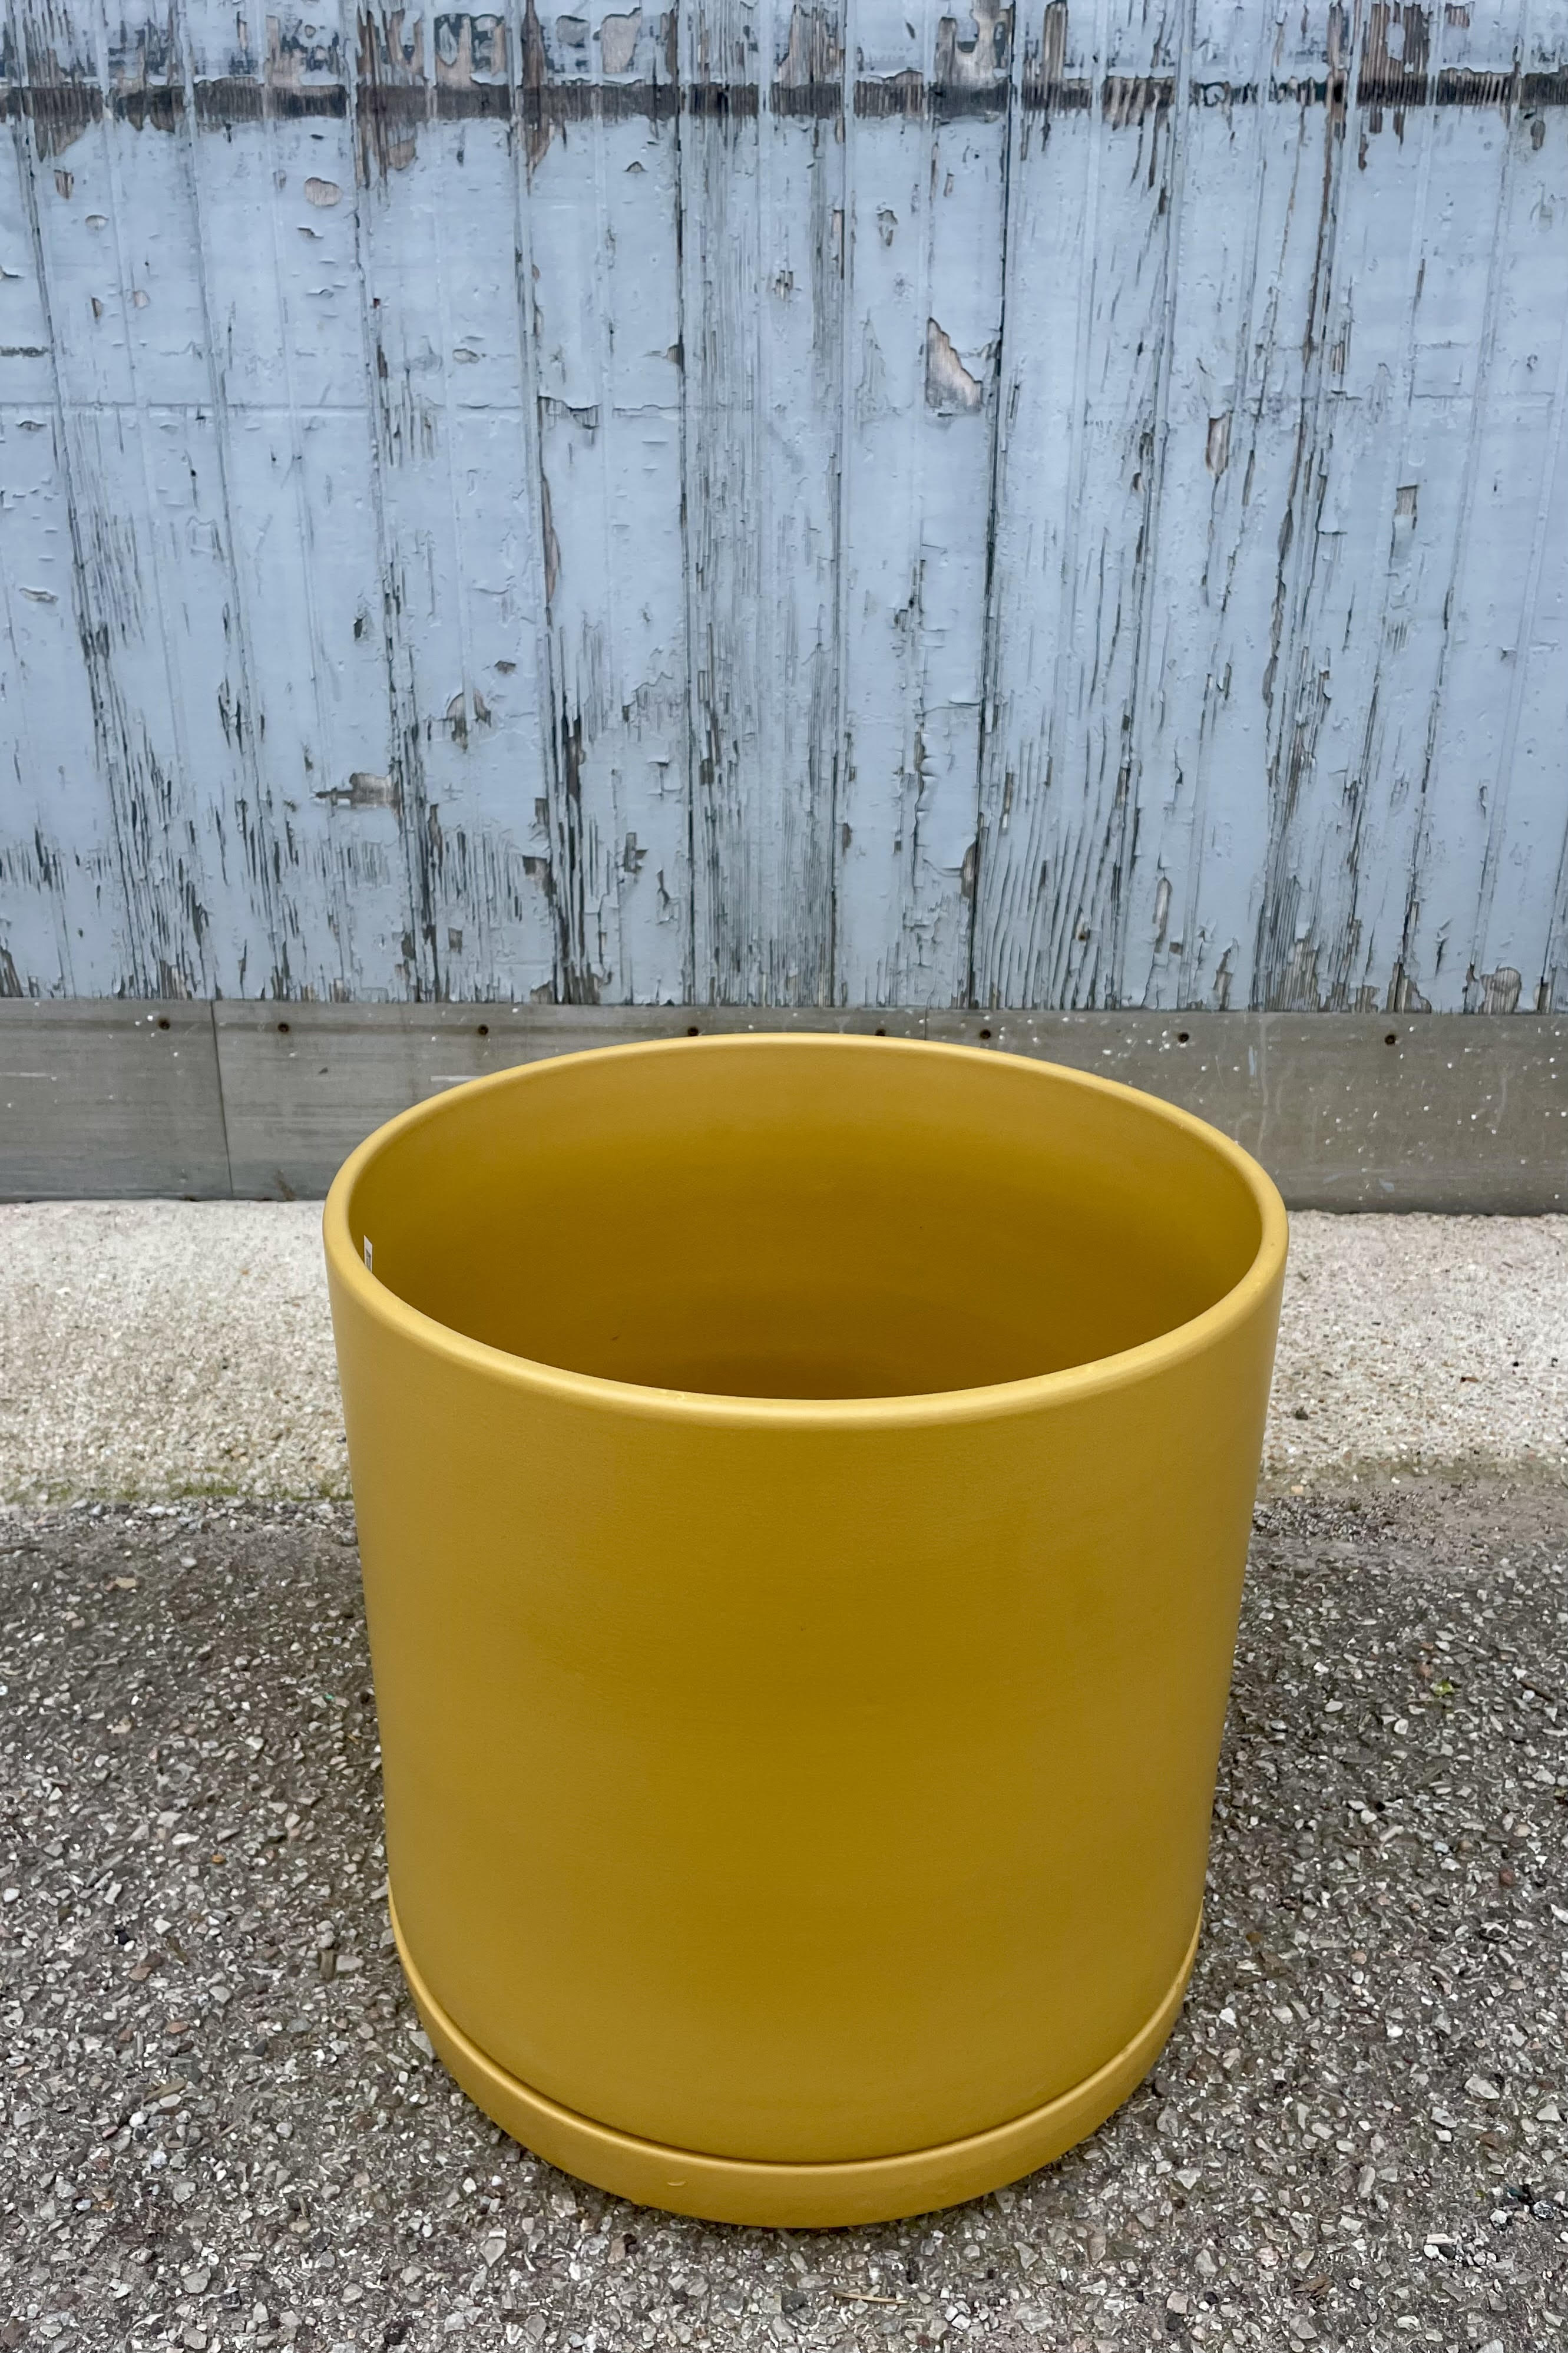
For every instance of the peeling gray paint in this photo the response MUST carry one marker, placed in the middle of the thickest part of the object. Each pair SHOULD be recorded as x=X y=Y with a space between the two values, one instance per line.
x=812 y=504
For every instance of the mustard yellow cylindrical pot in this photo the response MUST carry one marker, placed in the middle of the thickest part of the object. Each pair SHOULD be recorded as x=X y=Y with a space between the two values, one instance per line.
x=803 y=1484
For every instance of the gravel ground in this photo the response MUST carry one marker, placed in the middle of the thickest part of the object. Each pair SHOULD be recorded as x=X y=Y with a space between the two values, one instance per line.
x=223 y=2128
x=187 y=1350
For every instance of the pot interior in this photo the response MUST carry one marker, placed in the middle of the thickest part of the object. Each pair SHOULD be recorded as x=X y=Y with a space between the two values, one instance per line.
x=805 y=1218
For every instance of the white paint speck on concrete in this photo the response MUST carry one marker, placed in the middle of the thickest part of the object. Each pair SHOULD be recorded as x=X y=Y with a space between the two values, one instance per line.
x=154 y=1349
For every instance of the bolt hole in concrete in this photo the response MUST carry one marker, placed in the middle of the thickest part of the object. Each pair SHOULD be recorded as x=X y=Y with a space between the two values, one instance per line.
x=787 y=1223
x=1392 y=1039
x=283 y=1029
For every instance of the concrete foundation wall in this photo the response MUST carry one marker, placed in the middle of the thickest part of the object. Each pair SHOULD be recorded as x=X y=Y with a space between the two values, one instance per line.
x=1352 y=1112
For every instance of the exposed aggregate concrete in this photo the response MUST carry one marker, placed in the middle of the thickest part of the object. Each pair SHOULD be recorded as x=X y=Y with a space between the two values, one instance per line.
x=149 y=1349
x=222 y=2127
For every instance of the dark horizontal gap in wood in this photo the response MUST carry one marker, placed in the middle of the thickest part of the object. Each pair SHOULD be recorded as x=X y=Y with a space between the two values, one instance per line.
x=233 y=100
x=67 y=106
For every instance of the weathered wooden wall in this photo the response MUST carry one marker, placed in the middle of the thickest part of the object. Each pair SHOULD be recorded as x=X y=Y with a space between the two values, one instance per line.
x=841 y=504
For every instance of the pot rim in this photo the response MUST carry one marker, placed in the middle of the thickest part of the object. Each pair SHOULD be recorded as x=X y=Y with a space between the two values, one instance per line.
x=996 y=1399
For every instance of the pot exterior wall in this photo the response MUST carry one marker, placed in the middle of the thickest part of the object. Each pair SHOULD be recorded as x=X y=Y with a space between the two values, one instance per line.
x=790 y=1794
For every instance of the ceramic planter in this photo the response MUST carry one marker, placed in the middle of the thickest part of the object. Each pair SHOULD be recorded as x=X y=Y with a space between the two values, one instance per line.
x=802 y=1486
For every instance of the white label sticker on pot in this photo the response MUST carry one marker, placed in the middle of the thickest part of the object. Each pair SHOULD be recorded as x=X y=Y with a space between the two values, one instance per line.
x=369 y=1255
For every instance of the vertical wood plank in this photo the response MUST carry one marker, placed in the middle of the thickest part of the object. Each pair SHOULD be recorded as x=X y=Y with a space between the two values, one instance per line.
x=457 y=518
x=1258 y=163
x=1506 y=433
x=1094 y=205
x=63 y=920
x=1493 y=847
x=1372 y=522
x=153 y=583
x=926 y=138
x=1546 y=53
x=62 y=909
x=604 y=222
x=269 y=149
x=1471 y=218
x=762 y=245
